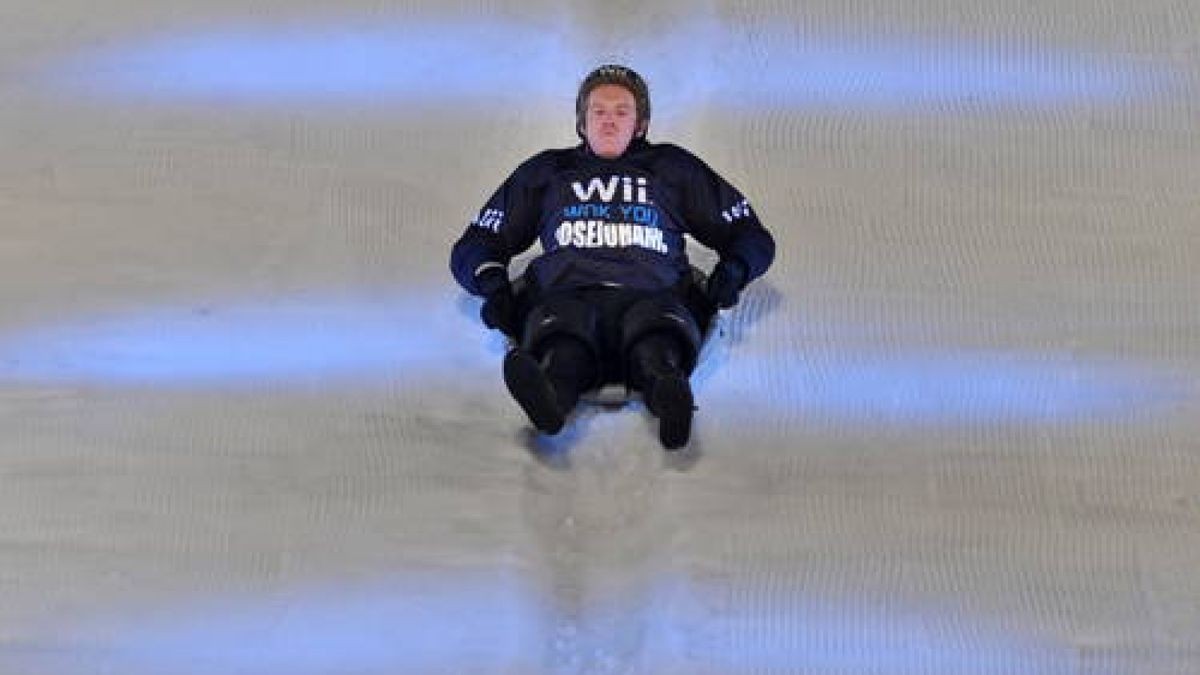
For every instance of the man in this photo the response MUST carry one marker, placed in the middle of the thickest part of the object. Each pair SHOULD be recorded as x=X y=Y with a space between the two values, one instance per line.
x=613 y=297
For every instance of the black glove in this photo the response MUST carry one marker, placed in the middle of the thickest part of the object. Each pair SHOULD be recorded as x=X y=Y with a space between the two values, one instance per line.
x=726 y=282
x=499 y=309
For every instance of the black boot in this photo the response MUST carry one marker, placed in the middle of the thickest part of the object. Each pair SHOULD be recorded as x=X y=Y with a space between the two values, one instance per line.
x=656 y=368
x=670 y=399
x=548 y=390
x=530 y=387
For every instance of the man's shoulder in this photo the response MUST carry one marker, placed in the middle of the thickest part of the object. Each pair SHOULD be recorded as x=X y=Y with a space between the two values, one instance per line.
x=549 y=161
x=668 y=149
x=673 y=157
x=551 y=154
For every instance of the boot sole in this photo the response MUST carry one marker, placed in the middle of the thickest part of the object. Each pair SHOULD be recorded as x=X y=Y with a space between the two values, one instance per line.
x=531 y=389
x=674 y=406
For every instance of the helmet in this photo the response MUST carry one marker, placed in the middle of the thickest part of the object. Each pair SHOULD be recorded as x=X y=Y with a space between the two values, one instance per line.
x=622 y=77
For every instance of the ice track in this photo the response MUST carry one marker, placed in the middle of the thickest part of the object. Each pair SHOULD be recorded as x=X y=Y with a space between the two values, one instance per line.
x=248 y=424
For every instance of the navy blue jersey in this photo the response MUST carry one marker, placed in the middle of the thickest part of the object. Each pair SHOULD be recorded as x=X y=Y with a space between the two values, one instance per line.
x=615 y=222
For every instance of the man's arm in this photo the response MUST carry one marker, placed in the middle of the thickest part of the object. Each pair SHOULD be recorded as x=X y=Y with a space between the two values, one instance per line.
x=505 y=227
x=720 y=217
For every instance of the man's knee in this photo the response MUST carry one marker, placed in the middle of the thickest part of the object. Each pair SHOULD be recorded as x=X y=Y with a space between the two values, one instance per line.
x=558 y=318
x=658 y=315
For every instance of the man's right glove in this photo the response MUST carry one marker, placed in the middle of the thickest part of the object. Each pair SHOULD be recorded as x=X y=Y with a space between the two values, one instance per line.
x=499 y=309
x=726 y=282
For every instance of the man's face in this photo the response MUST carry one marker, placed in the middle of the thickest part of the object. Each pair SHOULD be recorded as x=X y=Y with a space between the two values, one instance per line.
x=610 y=121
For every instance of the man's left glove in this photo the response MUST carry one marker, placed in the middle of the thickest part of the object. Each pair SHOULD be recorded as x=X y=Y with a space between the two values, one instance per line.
x=726 y=282
x=499 y=309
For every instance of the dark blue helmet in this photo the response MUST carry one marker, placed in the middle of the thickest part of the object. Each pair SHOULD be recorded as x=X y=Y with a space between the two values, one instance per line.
x=622 y=77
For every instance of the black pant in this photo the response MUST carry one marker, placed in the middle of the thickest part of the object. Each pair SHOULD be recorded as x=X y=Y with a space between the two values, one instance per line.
x=608 y=322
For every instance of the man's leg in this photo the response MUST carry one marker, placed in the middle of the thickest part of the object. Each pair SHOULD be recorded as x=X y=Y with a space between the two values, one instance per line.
x=656 y=367
x=556 y=363
x=548 y=388
x=661 y=341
